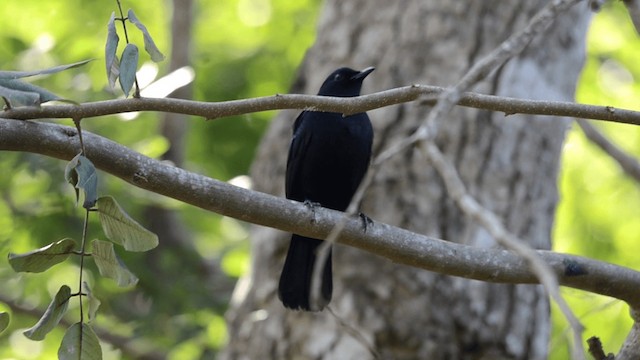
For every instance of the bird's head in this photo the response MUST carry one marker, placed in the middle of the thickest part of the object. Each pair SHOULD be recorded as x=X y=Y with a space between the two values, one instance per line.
x=344 y=82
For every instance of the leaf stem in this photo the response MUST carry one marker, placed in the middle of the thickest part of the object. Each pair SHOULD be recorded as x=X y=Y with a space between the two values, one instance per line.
x=76 y=121
x=82 y=251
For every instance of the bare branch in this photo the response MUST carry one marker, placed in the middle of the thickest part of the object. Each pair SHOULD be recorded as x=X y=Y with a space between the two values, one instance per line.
x=596 y=350
x=399 y=245
x=628 y=163
x=426 y=133
x=424 y=93
x=631 y=347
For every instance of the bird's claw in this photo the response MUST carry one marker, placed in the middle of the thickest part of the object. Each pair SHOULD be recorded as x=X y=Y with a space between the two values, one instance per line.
x=366 y=221
x=312 y=205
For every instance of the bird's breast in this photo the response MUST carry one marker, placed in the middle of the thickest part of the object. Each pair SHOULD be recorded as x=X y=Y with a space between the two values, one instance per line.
x=336 y=159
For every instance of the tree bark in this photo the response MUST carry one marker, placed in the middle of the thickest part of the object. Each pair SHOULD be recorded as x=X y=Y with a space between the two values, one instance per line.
x=509 y=165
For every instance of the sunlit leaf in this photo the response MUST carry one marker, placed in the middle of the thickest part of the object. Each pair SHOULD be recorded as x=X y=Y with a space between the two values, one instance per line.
x=80 y=343
x=120 y=228
x=149 y=45
x=20 y=74
x=110 y=265
x=81 y=173
x=128 y=67
x=111 y=59
x=42 y=259
x=4 y=320
x=94 y=302
x=51 y=316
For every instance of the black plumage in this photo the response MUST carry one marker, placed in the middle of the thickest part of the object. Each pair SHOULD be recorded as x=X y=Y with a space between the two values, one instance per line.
x=328 y=157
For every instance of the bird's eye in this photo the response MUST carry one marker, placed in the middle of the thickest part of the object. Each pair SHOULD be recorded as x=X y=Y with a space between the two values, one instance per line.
x=337 y=77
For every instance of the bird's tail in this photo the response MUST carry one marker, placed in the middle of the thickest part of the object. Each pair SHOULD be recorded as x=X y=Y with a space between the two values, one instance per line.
x=296 y=280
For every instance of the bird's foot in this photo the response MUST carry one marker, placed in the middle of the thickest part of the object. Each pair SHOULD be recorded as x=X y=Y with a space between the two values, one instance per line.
x=366 y=221
x=312 y=205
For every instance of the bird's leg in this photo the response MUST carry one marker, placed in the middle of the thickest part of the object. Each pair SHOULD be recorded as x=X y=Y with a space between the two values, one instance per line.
x=366 y=221
x=312 y=205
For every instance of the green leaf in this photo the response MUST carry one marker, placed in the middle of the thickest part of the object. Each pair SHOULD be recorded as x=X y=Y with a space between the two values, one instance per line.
x=80 y=343
x=81 y=173
x=22 y=93
x=111 y=59
x=51 y=316
x=52 y=70
x=149 y=46
x=4 y=320
x=128 y=67
x=110 y=265
x=19 y=98
x=41 y=259
x=120 y=228
x=94 y=302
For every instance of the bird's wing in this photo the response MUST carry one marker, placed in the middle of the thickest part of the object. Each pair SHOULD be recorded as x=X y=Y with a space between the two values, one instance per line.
x=295 y=162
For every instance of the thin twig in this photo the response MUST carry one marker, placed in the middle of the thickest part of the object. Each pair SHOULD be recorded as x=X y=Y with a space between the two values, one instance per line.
x=628 y=163
x=424 y=93
x=455 y=187
x=427 y=131
x=356 y=334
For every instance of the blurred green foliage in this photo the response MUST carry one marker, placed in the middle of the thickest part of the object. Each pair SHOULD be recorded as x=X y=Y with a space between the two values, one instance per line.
x=241 y=48
x=598 y=215
x=246 y=48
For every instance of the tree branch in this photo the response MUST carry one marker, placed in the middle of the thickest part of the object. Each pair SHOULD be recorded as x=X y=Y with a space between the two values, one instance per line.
x=399 y=245
x=424 y=137
x=631 y=347
x=424 y=93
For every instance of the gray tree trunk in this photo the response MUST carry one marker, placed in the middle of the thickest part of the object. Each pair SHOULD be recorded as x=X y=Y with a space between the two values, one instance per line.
x=510 y=164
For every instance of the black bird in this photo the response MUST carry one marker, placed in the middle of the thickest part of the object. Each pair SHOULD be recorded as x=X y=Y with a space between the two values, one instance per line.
x=328 y=157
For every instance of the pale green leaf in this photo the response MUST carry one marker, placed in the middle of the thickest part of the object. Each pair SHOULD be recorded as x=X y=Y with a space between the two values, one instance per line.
x=110 y=265
x=120 y=228
x=51 y=316
x=19 y=97
x=111 y=59
x=52 y=70
x=149 y=45
x=128 y=68
x=81 y=173
x=71 y=175
x=22 y=93
x=80 y=343
x=42 y=259
x=94 y=302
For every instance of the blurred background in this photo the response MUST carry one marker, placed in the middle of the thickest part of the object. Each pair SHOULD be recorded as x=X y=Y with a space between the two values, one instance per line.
x=240 y=49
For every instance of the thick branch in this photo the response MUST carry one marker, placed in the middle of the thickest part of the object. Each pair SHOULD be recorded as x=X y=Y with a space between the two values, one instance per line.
x=423 y=93
x=399 y=245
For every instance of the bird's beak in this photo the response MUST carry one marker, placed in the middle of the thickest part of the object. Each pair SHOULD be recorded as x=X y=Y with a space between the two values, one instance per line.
x=363 y=74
